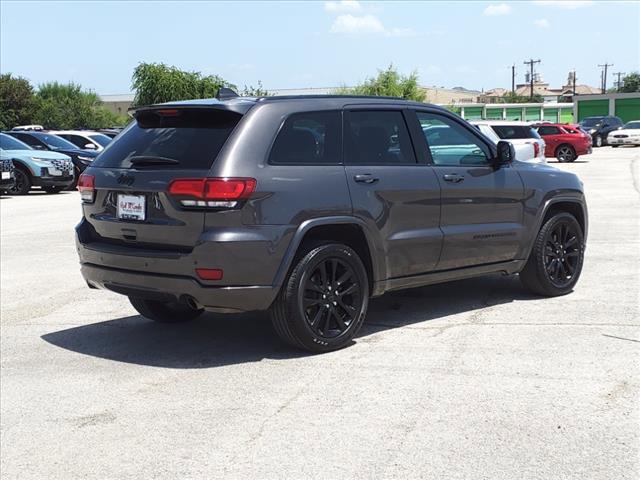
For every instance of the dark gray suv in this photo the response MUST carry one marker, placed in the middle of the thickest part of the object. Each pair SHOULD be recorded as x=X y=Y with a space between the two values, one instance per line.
x=309 y=206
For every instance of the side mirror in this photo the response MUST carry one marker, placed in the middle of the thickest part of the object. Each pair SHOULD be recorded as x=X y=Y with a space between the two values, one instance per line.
x=90 y=146
x=506 y=153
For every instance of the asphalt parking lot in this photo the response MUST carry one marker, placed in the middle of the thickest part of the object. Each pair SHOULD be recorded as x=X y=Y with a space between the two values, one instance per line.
x=472 y=379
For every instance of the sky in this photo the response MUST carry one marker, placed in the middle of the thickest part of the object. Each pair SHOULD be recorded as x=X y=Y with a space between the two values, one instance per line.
x=318 y=44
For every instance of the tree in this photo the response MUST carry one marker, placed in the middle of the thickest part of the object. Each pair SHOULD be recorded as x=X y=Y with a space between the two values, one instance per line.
x=68 y=106
x=631 y=83
x=16 y=101
x=159 y=83
x=389 y=83
x=252 y=91
x=511 y=97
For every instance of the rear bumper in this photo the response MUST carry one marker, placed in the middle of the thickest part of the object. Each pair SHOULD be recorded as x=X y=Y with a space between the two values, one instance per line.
x=154 y=286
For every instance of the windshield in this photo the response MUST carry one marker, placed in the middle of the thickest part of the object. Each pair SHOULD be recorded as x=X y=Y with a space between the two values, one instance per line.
x=100 y=138
x=632 y=125
x=54 y=142
x=10 y=143
x=591 y=121
x=513 y=132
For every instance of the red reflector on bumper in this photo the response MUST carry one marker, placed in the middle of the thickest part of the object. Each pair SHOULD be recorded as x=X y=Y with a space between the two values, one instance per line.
x=209 y=273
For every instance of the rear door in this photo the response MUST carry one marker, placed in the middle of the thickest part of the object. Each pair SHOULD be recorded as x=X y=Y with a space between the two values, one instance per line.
x=553 y=137
x=392 y=188
x=133 y=174
x=482 y=207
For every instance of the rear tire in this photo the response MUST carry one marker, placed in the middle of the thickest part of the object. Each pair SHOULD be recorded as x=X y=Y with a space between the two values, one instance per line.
x=22 y=183
x=52 y=190
x=323 y=302
x=556 y=260
x=164 y=312
x=615 y=146
x=566 y=154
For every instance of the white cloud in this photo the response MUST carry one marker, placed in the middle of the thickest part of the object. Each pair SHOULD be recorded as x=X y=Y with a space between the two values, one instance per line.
x=542 y=23
x=564 y=4
x=497 y=9
x=342 y=6
x=357 y=24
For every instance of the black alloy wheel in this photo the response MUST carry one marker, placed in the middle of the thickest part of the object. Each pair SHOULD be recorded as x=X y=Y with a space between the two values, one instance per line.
x=565 y=153
x=22 y=183
x=562 y=254
x=331 y=298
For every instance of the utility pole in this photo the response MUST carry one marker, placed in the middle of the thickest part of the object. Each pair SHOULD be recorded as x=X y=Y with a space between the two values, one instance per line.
x=574 y=83
x=604 y=76
x=619 y=82
x=513 y=80
x=531 y=63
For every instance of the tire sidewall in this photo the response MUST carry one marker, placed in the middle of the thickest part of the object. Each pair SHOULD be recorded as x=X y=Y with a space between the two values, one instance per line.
x=304 y=268
x=541 y=241
x=573 y=153
x=26 y=183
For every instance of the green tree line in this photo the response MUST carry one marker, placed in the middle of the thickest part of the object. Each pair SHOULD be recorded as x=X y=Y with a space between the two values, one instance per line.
x=52 y=105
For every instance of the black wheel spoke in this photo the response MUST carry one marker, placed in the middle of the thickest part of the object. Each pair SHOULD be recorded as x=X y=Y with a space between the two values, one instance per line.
x=331 y=297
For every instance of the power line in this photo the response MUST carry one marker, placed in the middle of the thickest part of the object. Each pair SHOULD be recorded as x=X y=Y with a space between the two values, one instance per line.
x=619 y=82
x=531 y=63
x=604 y=76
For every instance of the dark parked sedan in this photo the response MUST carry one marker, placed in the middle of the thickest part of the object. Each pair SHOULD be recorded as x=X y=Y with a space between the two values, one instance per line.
x=47 y=141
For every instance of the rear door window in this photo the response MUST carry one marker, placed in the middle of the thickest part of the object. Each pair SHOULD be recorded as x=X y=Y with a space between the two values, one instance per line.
x=309 y=138
x=377 y=138
x=514 y=132
x=183 y=138
x=549 y=131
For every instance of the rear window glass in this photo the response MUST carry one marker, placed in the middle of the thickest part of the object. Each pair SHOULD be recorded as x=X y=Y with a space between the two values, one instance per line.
x=308 y=138
x=512 y=132
x=190 y=138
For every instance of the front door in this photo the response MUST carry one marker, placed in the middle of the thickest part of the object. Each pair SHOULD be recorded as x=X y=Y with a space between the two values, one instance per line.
x=482 y=206
x=392 y=190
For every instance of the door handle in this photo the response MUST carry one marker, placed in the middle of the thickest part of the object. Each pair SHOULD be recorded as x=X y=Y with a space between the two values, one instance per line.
x=453 y=178
x=365 y=178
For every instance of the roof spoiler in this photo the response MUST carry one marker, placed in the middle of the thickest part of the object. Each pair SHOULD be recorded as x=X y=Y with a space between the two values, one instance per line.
x=226 y=94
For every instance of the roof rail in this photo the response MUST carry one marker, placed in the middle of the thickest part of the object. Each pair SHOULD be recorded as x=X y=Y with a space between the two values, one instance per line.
x=303 y=97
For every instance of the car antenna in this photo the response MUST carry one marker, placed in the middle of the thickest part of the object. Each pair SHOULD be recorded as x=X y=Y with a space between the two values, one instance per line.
x=226 y=93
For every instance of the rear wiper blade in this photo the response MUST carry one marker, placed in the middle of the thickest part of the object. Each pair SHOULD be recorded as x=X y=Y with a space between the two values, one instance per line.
x=140 y=160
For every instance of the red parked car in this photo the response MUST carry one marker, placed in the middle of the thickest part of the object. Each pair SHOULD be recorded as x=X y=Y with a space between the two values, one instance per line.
x=566 y=142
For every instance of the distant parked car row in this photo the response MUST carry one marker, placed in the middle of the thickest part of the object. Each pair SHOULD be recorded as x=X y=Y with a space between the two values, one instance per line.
x=606 y=130
x=52 y=160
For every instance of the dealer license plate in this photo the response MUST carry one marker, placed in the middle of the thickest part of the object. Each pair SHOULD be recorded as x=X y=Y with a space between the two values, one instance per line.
x=131 y=207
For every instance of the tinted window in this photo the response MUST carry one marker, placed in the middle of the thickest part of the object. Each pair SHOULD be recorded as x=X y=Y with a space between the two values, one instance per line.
x=591 y=121
x=549 y=131
x=77 y=140
x=614 y=121
x=569 y=130
x=308 y=138
x=100 y=138
x=377 y=138
x=7 y=142
x=55 y=142
x=632 y=125
x=26 y=138
x=193 y=137
x=513 y=132
x=450 y=143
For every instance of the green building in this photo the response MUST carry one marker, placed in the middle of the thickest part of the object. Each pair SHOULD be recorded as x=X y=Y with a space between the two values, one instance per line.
x=531 y=112
x=623 y=105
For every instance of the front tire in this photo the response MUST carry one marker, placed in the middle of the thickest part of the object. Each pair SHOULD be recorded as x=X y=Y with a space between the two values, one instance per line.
x=556 y=260
x=597 y=141
x=164 y=312
x=22 y=183
x=323 y=302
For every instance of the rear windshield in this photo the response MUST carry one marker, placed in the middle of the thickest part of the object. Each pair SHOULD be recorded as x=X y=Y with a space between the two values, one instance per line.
x=191 y=137
x=512 y=132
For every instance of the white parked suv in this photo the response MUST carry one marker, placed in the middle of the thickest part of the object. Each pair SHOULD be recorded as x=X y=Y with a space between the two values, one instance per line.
x=84 y=139
x=628 y=134
x=528 y=144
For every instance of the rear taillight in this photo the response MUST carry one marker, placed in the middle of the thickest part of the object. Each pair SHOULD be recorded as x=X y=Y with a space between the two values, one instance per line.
x=211 y=192
x=87 y=187
x=536 y=149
